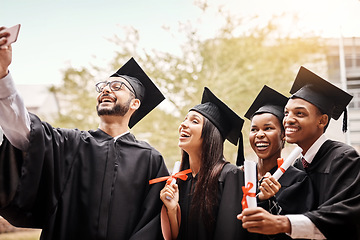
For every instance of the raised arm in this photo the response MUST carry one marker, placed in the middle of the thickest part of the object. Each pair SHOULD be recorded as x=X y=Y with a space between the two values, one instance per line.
x=5 y=53
x=14 y=118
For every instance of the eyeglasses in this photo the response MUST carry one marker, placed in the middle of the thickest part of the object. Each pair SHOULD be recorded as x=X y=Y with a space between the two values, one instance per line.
x=114 y=86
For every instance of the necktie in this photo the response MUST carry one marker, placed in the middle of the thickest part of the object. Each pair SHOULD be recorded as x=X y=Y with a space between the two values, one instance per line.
x=305 y=163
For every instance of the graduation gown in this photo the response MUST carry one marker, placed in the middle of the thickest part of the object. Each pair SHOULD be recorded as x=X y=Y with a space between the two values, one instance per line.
x=335 y=175
x=81 y=185
x=295 y=196
x=227 y=226
x=296 y=192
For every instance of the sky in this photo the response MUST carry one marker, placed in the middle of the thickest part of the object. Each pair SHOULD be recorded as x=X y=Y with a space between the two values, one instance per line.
x=61 y=33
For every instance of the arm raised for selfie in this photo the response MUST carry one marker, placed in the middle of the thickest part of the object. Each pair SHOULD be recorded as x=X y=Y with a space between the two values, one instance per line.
x=14 y=118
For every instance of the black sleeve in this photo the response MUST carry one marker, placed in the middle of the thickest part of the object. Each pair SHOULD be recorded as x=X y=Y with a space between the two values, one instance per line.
x=339 y=216
x=148 y=226
x=35 y=178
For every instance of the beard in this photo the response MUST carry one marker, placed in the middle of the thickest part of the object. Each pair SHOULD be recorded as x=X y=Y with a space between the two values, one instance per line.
x=117 y=110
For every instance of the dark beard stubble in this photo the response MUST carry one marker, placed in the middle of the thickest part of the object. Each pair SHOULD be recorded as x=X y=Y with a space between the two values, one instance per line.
x=117 y=110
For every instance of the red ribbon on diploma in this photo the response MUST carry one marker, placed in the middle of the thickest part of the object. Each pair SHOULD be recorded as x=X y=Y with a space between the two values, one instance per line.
x=180 y=175
x=247 y=193
x=280 y=161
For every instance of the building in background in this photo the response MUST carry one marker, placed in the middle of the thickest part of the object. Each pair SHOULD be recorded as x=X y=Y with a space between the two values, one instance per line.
x=39 y=100
x=343 y=64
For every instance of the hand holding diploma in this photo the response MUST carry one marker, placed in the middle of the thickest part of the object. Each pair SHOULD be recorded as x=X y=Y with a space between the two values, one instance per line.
x=258 y=220
x=289 y=161
x=170 y=215
x=269 y=186
x=175 y=175
x=170 y=193
x=171 y=189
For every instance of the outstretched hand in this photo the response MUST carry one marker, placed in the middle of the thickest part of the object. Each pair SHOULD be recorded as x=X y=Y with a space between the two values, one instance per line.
x=5 y=53
x=269 y=187
x=258 y=220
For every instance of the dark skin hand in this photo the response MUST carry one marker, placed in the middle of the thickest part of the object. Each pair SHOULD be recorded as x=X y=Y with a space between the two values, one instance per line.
x=269 y=187
x=258 y=220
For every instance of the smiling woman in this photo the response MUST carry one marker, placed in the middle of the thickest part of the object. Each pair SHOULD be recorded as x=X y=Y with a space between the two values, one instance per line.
x=208 y=201
x=267 y=140
x=267 y=133
x=190 y=129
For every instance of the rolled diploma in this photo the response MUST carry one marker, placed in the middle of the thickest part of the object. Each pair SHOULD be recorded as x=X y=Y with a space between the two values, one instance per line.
x=250 y=176
x=176 y=169
x=288 y=161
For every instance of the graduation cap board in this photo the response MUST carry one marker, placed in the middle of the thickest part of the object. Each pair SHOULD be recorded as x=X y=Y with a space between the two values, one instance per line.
x=145 y=90
x=224 y=119
x=330 y=99
x=268 y=101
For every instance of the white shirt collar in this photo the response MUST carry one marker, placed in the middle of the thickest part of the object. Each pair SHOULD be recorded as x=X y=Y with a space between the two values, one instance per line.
x=310 y=154
x=115 y=138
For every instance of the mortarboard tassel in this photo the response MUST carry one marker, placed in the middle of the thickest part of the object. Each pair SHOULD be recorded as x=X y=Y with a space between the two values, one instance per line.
x=344 y=128
x=240 y=155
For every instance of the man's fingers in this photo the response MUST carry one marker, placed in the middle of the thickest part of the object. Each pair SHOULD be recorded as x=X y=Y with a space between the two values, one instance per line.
x=253 y=229
x=250 y=211
x=254 y=217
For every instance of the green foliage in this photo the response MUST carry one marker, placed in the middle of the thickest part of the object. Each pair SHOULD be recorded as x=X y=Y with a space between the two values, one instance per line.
x=77 y=100
x=234 y=66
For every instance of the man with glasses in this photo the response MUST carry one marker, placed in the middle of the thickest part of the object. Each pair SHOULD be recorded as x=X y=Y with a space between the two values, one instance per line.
x=82 y=184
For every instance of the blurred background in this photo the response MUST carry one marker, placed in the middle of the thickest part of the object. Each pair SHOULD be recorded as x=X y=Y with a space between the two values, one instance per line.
x=233 y=47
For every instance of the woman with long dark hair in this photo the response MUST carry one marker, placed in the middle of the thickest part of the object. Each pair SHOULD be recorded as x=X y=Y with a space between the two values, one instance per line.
x=206 y=204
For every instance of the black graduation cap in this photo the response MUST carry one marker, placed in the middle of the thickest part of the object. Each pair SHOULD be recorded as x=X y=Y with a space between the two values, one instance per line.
x=145 y=90
x=268 y=101
x=225 y=119
x=330 y=99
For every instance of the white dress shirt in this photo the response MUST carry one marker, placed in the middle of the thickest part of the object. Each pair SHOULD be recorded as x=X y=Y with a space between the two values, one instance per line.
x=1 y=135
x=14 y=118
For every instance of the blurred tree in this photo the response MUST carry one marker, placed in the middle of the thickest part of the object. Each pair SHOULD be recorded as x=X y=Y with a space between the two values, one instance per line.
x=234 y=66
x=76 y=100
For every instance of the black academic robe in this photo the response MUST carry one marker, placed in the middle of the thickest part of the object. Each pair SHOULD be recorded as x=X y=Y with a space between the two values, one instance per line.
x=295 y=196
x=227 y=226
x=81 y=185
x=296 y=192
x=335 y=173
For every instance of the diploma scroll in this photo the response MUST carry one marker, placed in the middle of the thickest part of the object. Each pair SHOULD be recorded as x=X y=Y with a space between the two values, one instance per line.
x=175 y=175
x=249 y=189
x=176 y=169
x=286 y=164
